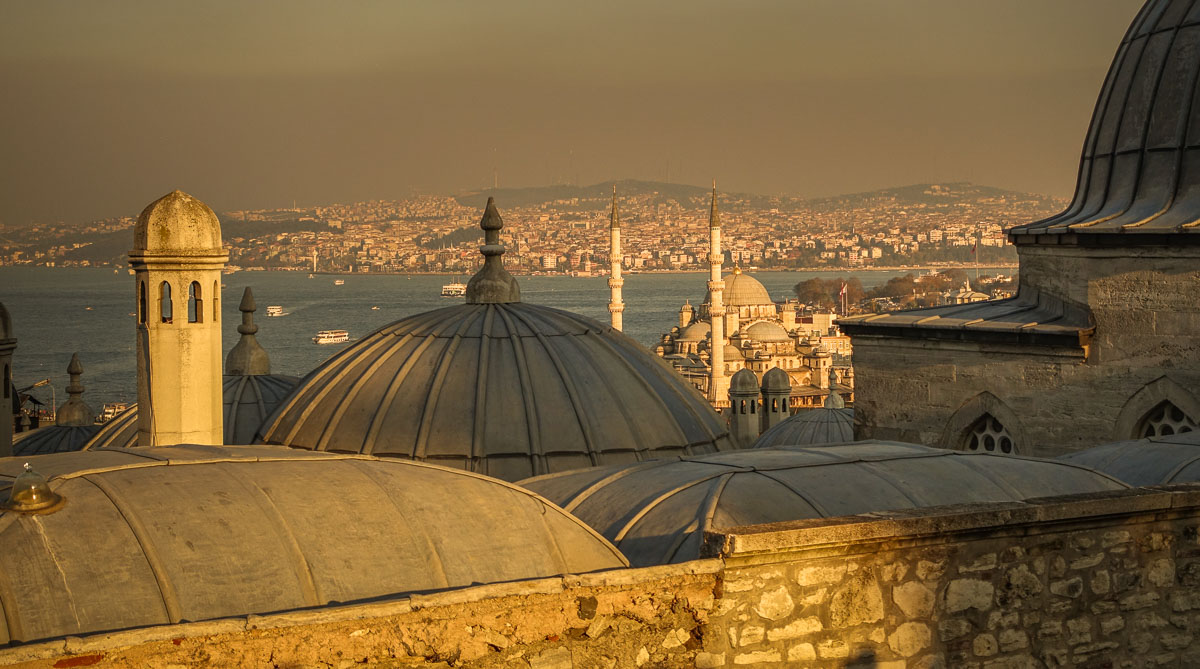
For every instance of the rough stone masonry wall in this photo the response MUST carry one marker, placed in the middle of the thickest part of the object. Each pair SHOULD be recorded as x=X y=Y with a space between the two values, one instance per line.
x=1085 y=581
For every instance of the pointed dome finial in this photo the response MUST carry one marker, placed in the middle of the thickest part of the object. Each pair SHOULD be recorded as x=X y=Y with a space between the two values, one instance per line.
x=833 y=400
x=492 y=284
x=74 y=412
x=248 y=357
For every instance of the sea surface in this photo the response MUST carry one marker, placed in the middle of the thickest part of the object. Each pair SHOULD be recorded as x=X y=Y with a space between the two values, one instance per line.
x=60 y=311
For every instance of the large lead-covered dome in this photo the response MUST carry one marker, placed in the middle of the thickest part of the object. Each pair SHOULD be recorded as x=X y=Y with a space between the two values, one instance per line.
x=1140 y=171
x=742 y=290
x=499 y=387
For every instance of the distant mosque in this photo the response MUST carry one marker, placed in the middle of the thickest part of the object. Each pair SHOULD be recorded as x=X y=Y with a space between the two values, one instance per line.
x=504 y=484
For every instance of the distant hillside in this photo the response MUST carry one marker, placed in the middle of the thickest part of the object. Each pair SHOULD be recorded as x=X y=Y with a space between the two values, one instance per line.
x=521 y=197
x=929 y=194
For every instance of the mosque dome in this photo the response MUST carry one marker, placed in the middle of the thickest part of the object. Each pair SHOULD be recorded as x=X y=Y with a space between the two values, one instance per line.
x=1143 y=462
x=809 y=428
x=191 y=533
x=499 y=387
x=733 y=353
x=743 y=381
x=177 y=224
x=120 y=431
x=697 y=331
x=1140 y=170
x=776 y=380
x=658 y=512
x=767 y=332
x=54 y=439
x=742 y=290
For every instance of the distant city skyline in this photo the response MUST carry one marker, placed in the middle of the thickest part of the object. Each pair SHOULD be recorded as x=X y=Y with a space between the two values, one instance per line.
x=255 y=105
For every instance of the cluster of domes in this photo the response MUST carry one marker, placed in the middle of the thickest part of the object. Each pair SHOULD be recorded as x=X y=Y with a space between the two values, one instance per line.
x=742 y=290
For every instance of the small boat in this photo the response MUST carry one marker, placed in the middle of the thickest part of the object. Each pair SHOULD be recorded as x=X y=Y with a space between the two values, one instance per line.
x=454 y=290
x=275 y=310
x=311 y=276
x=339 y=282
x=87 y=308
x=374 y=308
x=331 y=337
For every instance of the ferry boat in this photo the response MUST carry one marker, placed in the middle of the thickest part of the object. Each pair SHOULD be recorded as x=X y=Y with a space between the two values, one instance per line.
x=111 y=410
x=275 y=310
x=331 y=337
x=339 y=282
x=454 y=290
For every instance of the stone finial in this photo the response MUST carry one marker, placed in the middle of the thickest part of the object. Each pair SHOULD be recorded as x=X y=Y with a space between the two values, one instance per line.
x=492 y=284
x=614 y=221
x=833 y=400
x=714 y=216
x=247 y=357
x=74 y=412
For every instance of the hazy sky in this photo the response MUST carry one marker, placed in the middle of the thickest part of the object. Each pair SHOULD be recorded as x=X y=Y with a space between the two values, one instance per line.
x=107 y=105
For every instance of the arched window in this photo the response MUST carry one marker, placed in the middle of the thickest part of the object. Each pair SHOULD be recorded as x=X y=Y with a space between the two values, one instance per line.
x=1165 y=419
x=164 y=302
x=989 y=436
x=753 y=404
x=142 y=302
x=216 y=298
x=743 y=406
x=195 y=304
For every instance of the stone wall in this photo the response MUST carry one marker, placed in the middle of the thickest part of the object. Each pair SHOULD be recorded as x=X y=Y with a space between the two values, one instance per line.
x=1105 y=580
x=1085 y=581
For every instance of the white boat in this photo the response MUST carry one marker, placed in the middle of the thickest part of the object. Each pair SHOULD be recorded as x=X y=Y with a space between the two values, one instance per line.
x=275 y=310
x=454 y=290
x=374 y=308
x=331 y=337
x=339 y=282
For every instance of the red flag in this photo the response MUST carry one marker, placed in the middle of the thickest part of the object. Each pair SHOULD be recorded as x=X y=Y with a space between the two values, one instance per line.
x=842 y=292
x=973 y=247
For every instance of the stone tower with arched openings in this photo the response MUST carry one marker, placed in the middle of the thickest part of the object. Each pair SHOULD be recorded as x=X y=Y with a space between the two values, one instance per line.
x=177 y=259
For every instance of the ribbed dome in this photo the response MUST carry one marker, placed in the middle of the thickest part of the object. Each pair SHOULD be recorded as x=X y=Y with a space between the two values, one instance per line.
x=505 y=389
x=54 y=439
x=657 y=512
x=697 y=331
x=1152 y=461
x=733 y=353
x=177 y=224
x=776 y=380
x=188 y=533
x=809 y=428
x=742 y=290
x=1140 y=171
x=767 y=332
x=247 y=401
x=744 y=381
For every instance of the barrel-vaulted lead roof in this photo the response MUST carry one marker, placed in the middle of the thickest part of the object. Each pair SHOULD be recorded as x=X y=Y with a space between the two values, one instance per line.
x=509 y=390
x=153 y=536
x=1140 y=170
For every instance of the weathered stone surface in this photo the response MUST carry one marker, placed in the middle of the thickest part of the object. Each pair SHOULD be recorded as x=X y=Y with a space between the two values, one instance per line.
x=1019 y=584
x=1161 y=573
x=1013 y=640
x=858 y=601
x=833 y=649
x=751 y=634
x=968 y=593
x=676 y=638
x=1072 y=587
x=643 y=656
x=555 y=658
x=985 y=645
x=803 y=652
x=953 y=628
x=758 y=657
x=909 y=639
x=796 y=628
x=914 y=599
x=1100 y=582
x=775 y=604
x=822 y=575
x=710 y=660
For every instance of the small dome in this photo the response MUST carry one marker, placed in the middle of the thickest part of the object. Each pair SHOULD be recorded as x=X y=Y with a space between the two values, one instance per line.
x=657 y=512
x=222 y=532
x=742 y=290
x=810 y=427
x=177 y=224
x=743 y=381
x=248 y=401
x=695 y=332
x=767 y=332
x=54 y=439
x=776 y=380
x=1152 y=461
x=509 y=390
x=733 y=353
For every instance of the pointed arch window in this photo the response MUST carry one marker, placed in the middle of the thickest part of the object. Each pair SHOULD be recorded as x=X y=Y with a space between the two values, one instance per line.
x=988 y=435
x=1165 y=419
x=216 y=298
x=195 y=303
x=165 y=307
x=142 y=302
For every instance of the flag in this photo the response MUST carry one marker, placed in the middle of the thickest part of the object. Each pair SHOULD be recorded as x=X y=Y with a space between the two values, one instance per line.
x=973 y=247
x=842 y=292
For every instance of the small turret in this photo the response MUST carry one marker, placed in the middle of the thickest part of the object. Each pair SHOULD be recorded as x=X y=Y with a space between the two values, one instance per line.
x=833 y=400
x=686 y=314
x=776 y=394
x=74 y=412
x=743 y=408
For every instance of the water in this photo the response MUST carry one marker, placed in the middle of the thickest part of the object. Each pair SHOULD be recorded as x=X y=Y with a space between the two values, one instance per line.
x=51 y=319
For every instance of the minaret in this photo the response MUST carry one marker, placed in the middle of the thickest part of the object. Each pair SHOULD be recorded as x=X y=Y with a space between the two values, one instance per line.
x=74 y=412
x=177 y=259
x=7 y=344
x=615 y=304
x=247 y=357
x=718 y=384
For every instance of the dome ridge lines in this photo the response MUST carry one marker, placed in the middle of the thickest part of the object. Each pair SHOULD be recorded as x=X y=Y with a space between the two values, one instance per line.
x=869 y=467
x=619 y=536
x=536 y=456
x=991 y=475
x=437 y=384
x=379 y=416
x=584 y=494
x=166 y=589
x=481 y=381
x=582 y=416
x=359 y=380
x=300 y=568
x=769 y=473
x=709 y=509
x=1170 y=477
x=228 y=410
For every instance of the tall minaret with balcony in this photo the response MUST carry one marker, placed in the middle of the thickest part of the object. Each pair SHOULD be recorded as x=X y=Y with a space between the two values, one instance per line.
x=177 y=259
x=718 y=383
x=616 y=305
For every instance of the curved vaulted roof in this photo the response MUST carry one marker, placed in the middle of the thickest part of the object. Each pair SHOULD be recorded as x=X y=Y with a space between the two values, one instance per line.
x=155 y=536
x=54 y=439
x=657 y=512
x=1142 y=462
x=766 y=331
x=824 y=425
x=697 y=331
x=505 y=389
x=1140 y=171
x=742 y=290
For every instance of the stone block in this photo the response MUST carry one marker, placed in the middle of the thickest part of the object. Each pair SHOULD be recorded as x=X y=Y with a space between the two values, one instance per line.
x=968 y=593
x=1071 y=587
x=1087 y=561
x=1139 y=601
x=1050 y=629
x=930 y=569
x=676 y=638
x=710 y=660
x=1111 y=625
x=1079 y=630
x=909 y=639
x=1013 y=640
x=1100 y=582
x=555 y=658
x=953 y=628
x=914 y=599
x=796 y=628
x=985 y=645
x=858 y=601
x=804 y=652
x=1019 y=584
x=826 y=575
x=1161 y=573
x=982 y=563
x=758 y=657
x=775 y=604
x=833 y=649
x=751 y=634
